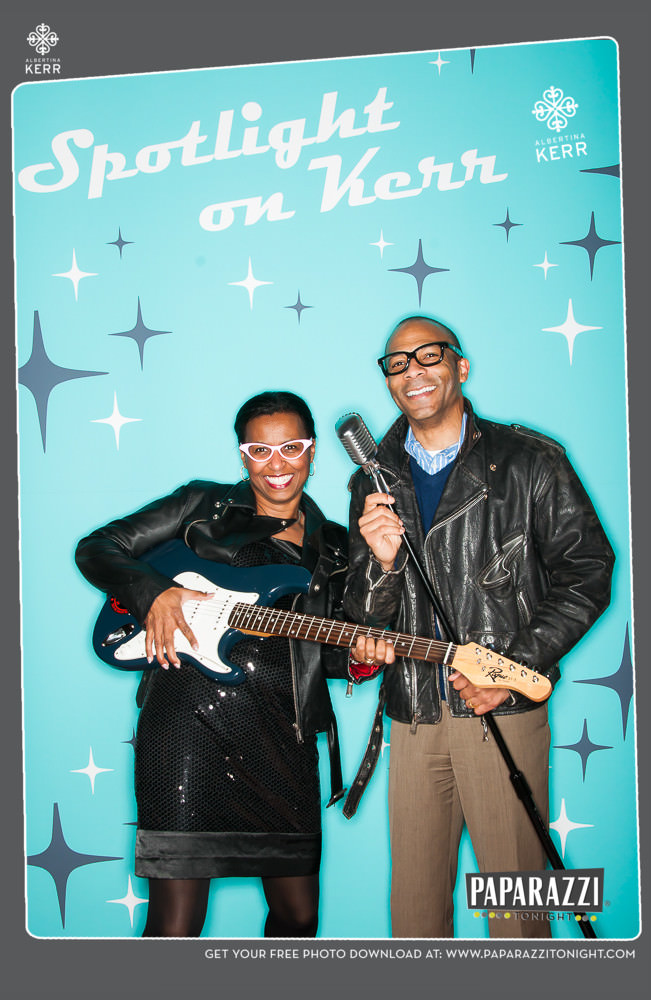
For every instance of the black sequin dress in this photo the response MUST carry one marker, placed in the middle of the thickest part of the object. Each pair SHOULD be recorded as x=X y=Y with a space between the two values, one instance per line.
x=223 y=786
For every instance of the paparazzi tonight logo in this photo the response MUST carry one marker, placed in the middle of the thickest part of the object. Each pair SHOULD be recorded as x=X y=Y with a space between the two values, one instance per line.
x=577 y=889
x=560 y=141
x=42 y=40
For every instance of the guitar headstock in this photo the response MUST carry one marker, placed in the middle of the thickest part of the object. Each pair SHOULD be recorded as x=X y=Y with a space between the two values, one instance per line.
x=486 y=668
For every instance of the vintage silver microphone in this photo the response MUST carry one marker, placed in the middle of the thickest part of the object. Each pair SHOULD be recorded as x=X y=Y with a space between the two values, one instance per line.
x=360 y=447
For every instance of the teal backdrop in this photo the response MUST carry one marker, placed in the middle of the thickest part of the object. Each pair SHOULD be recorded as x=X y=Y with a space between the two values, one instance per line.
x=184 y=240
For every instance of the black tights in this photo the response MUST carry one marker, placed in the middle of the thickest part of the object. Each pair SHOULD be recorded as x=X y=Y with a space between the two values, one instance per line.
x=177 y=906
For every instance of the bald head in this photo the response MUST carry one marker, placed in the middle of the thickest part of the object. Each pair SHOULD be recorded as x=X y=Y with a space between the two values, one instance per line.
x=431 y=329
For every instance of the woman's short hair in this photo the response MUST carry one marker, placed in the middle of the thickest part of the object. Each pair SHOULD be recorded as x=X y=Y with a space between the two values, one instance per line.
x=266 y=404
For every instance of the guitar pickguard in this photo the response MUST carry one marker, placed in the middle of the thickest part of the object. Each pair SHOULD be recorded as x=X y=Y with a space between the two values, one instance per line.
x=119 y=640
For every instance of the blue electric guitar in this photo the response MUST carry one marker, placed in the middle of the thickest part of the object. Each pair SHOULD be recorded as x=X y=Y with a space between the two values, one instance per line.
x=239 y=605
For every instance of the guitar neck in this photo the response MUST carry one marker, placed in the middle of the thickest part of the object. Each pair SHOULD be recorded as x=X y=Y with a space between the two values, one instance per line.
x=256 y=620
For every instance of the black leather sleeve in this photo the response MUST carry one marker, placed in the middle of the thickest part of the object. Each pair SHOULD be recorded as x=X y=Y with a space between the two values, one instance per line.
x=108 y=557
x=578 y=560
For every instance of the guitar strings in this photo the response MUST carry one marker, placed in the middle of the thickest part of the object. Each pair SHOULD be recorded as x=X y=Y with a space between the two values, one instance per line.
x=245 y=615
x=291 y=624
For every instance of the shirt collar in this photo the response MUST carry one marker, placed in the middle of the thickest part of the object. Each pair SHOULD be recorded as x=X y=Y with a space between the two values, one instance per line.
x=433 y=461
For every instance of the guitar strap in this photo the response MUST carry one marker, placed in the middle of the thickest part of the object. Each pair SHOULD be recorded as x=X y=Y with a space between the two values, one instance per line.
x=369 y=760
x=327 y=541
x=337 y=790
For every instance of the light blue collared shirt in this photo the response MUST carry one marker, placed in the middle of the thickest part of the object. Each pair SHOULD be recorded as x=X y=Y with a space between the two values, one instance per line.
x=433 y=461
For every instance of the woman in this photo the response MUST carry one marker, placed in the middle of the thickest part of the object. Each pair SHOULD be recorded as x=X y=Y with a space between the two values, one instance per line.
x=226 y=778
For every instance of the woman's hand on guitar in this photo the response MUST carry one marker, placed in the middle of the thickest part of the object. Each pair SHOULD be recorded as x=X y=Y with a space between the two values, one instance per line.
x=164 y=617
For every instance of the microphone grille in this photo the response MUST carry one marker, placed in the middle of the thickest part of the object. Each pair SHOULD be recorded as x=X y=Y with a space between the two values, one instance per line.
x=356 y=438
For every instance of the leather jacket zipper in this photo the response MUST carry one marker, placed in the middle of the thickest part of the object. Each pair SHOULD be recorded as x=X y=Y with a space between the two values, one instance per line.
x=524 y=607
x=451 y=517
x=478 y=497
x=414 y=699
x=297 y=724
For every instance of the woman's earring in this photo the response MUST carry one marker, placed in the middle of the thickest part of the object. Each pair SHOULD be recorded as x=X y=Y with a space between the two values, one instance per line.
x=311 y=472
x=244 y=475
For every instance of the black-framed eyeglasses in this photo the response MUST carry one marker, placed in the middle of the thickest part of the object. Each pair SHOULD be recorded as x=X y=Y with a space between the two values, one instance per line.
x=426 y=355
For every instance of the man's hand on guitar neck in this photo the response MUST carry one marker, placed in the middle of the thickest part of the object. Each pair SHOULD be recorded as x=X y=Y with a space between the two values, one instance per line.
x=164 y=617
x=367 y=656
x=480 y=700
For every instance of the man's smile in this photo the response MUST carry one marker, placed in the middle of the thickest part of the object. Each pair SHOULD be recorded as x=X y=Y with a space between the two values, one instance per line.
x=422 y=391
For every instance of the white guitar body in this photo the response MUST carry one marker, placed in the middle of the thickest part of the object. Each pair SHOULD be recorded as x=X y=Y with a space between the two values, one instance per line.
x=207 y=619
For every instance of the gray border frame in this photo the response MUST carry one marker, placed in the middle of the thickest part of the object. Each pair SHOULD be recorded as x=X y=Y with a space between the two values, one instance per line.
x=145 y=36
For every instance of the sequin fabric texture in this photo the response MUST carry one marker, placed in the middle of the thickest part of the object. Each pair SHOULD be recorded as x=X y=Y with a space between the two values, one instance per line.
x=212 y=758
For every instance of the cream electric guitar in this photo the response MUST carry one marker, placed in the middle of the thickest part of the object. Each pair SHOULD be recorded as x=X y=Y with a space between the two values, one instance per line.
x=238 y=606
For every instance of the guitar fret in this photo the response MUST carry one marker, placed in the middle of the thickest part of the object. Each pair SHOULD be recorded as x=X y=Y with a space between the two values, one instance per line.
x=263 y=616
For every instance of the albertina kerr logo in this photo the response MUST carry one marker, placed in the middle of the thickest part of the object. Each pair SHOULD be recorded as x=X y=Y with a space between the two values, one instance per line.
x=555 y=109
x=42 y=39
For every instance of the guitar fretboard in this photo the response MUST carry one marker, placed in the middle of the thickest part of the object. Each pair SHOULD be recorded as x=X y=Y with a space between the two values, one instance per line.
x=271 y=621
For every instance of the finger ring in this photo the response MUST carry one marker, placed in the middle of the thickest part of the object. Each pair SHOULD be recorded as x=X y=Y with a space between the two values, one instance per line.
x=469 y=703
x=368 y=660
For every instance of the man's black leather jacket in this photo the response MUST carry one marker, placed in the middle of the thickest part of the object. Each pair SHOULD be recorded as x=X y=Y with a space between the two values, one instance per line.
x=516 y=555
x=216 y=520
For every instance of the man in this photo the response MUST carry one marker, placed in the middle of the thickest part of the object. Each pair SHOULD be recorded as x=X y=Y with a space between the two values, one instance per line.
x=519 y=561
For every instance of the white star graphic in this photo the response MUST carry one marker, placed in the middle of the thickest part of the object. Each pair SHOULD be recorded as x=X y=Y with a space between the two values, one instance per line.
x=130 y=901
x=545 y=265
x=439 y=62
x=91 y=770
x=250 y=283
x=381 y=243
x=116 y=420
x=75 y=274
x=563 y=826
x=570 y=328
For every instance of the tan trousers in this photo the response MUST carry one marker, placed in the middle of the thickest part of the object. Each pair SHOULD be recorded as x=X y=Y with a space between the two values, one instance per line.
x=441 y=776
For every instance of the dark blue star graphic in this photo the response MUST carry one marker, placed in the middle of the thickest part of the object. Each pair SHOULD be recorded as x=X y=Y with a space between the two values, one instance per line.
x=507 y=225
x=41 y=376
x=120 y=243
x=472 y=60
x=419 y=270
x=591 y=243
x=132 y=741
x=609 y=171
x=60 y=861
x=621 y=681
x=299 y=306
x=141 y=334
x=584 y=747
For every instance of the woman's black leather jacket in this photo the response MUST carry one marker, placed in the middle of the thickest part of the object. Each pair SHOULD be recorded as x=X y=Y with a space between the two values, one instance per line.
x=215 y=521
